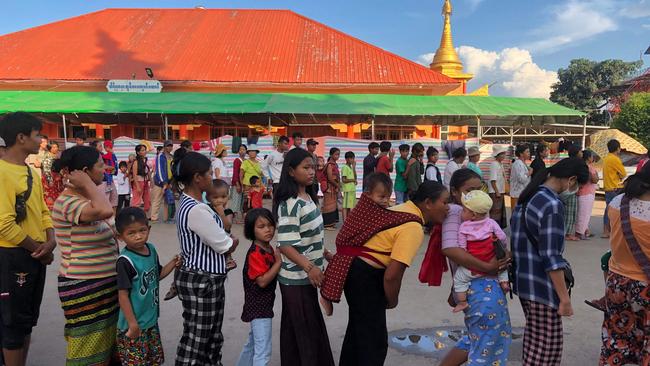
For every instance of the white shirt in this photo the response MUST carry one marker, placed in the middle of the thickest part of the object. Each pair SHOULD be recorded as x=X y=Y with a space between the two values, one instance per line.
x=123 y=186
x=272 y=166
x=496 y=174
x=451 y=167
x=519 y=178
x=218 y=164
x=200 y=220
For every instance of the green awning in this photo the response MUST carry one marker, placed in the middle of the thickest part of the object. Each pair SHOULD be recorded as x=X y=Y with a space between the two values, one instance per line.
x=457 y=109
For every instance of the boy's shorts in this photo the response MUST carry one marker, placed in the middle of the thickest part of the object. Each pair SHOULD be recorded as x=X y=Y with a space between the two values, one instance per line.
x=22 y=280
x=604 y=261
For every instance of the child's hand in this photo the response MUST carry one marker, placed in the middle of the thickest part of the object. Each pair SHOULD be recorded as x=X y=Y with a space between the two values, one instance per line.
x=178 y=261
x=277 y=254
x=315 y=276
x=133 y=332
x=328 y=255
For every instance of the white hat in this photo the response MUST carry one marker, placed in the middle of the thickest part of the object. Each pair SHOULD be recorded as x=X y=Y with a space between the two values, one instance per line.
x=498 y=149
x=2 y=142
x=253 y=147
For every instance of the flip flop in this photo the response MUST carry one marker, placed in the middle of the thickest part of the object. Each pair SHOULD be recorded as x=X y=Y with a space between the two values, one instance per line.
x=595 y=305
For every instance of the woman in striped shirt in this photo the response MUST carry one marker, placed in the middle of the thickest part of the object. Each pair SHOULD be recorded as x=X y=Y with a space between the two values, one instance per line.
x=87 y=277
x=204 y=246
x=303 y=335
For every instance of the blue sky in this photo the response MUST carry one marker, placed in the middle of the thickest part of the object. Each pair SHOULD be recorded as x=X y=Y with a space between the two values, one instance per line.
x=512 y=43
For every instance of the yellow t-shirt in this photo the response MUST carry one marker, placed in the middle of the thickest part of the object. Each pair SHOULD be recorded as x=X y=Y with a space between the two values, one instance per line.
x=13 y=180
x=613 y=172
x=402 y=241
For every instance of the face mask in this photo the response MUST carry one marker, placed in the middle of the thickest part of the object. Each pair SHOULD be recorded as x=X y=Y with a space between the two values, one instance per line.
x=569 y=192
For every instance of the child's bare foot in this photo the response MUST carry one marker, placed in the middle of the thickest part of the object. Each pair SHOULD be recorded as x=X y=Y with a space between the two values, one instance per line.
x=171 y=293
x=328 y=307
x=460 y=306
x=230 y=265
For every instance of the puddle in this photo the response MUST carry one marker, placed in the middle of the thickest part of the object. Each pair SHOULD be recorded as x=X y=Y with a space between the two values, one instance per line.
x=436 y=342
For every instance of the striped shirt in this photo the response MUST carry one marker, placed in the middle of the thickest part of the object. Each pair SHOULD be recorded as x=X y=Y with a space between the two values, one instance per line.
x=300 y=225
x=88 y=249
x=202 y=237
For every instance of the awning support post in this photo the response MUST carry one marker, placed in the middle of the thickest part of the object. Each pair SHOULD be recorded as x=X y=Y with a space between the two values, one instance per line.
x=512 y=136
x=479 y=130
x=270 y=127
x=584 y=132
x=65 y=132
x=372 y=128
x=166 y=127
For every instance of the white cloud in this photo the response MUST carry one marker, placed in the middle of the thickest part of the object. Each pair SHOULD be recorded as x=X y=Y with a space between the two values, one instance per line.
x=572 y=22
x=473 y=4
x=646 y=26
x=512 y=71
x=638 y=9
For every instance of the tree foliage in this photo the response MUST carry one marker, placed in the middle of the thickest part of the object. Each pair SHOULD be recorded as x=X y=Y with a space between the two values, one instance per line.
x=579 y=82
x=634 y=117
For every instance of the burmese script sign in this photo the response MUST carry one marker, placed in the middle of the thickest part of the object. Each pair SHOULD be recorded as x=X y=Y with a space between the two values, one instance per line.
x=134 y=86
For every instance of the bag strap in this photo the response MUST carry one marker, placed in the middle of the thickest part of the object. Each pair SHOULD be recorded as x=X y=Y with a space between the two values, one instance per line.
x=640 y=257
x=529 y=235
x=30 y=182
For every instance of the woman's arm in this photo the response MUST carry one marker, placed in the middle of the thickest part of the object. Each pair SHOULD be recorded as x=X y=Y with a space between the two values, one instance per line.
x=202 y=223
x=393 y=282
x=313 y=271
x=98 y=206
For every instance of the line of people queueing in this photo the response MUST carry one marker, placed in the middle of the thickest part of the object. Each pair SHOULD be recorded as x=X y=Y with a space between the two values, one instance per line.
x=107 y=298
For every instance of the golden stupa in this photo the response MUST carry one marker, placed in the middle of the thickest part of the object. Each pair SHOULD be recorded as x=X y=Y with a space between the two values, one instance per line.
x=446 y=60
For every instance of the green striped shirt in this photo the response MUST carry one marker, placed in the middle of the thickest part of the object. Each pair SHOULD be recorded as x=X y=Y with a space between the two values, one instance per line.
x=300 y=225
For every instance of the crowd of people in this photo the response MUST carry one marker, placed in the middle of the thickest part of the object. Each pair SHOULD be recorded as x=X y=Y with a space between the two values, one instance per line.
x=87 y=203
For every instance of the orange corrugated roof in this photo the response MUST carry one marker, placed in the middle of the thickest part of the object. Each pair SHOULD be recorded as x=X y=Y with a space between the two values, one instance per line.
x=214 y=45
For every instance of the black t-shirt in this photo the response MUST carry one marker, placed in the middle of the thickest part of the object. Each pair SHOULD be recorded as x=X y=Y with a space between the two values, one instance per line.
x=537 y=165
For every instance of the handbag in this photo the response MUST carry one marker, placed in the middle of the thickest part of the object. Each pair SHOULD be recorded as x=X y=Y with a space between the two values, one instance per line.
x=21 y=199
x=640 y=257
x=569 y=280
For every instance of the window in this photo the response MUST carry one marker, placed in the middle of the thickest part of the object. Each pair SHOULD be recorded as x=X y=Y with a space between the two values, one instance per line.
x=108 y=135
x=139 y=133
x=173 y=134
x=153 y=133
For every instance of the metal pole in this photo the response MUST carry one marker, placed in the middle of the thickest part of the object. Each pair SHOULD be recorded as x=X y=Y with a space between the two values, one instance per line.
x=479 y=130
x=584 y=132
x=65 y=132
x=512 y=137
x=372 y=128
x=270 y=124
x=166 y=123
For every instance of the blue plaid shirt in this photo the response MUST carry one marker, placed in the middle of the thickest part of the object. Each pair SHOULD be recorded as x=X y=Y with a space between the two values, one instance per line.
x=545 y=221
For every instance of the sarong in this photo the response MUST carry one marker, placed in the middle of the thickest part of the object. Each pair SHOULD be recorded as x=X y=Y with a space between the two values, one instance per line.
x=585 y=207
x=236 y=200
x=144 y=350
x=330 y=207
x=498 y=210
x=90 y=308
x=570 y=212
x=363 y=222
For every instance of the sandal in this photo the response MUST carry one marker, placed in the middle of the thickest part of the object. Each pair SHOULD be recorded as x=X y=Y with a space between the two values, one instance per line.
x=597 y=304
x=171 y=293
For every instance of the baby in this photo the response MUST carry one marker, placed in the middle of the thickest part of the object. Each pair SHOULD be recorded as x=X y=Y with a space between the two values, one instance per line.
x=476 y=234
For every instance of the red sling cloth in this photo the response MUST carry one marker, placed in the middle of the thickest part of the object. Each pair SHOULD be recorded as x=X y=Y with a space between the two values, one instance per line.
x=481 y=249
x=362 y=223
x=434 y=263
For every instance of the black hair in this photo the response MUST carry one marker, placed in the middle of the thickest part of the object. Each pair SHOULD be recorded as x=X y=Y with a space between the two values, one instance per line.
x=76 y=158
x=564 y=168
x=254 y=179
x=429 y=189
x=417 y=148
x=375 y=179
x=219 y=183
x=573 y=150
x=53 y=143
x=297 y=135
x=613 y=145
x=385 y=146
x=17 y=123
x=137 y=148
x=333 y=151
x=404 y=147
x=187 y=164
x=459 y=178
x=251 y=219
x=122 y=164
x=159 y=149
x=142 y=160
x=283 y=139
x=240 y=145
x=45 y=137
x=431 y=151
x=520 y=149
x=373 y=145
x=349 y=155
x=459 y=153
x=80 y=136
x=540 y=149
x=586 y=154
x=186 y=144
x=95 y=143
x=289 y=187
x=128 y=216
x=638 y=184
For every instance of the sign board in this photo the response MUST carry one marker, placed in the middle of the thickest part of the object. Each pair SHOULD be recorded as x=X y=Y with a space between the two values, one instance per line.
x=134 y=86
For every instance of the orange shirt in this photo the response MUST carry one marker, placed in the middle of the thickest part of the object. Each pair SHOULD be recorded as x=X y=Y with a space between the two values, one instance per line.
x=622 y=260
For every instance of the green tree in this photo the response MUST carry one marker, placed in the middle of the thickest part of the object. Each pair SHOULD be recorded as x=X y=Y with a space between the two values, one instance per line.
x=579 y=82
x=634 y=117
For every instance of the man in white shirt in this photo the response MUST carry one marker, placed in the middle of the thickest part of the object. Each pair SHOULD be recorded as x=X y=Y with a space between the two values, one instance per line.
x=272 y=165
x=456 y=162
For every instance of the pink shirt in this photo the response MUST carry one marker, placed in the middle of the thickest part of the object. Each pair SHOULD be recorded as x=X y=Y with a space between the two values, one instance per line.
x=450 y=227
x=479 y=230
x=589 y=188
